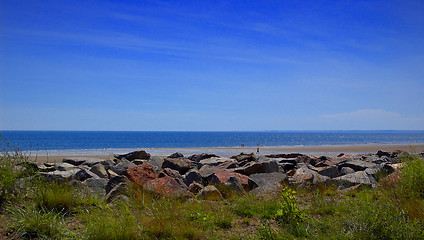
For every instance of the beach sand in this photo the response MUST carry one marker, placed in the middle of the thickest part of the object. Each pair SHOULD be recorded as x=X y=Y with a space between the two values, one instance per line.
x=58 y=156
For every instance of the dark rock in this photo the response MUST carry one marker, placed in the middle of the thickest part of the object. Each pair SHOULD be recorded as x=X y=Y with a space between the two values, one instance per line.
x=285 y=166
x=122 y=166
x=107 y=163
x=156 y=162
x=176 y=155
x=251 y=168
x=192 y=176
x=142 y=173
x=359 y=177
x=341 y=155
x=134 y=155
x=83 y=174
x=99 y=170
x=171 y=173
x=119 y=189
x=290 y=155
x=74 y=161
x=115 y=181
x=245 y=157
x=346 y=170
x=357 y=165
x=330 y=171
x=215 y=161
x=210 y=193
x=139 y=161
x=182 y=165
x=270 y=166
x=222 y=176
x=166 y=186
x=181 y=182
x=234 y=184
x=96 y=185
x=382 y=153
x=199 y=157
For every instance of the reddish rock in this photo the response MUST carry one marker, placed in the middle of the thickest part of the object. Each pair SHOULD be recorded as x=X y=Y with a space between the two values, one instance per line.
x=142 y=173
x=166 y=186
x=222 y=176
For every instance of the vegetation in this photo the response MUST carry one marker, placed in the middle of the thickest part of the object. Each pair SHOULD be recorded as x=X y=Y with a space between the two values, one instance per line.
x=62 y=211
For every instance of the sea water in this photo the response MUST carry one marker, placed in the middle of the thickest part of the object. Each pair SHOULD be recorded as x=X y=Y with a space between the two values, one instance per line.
x=86 y=140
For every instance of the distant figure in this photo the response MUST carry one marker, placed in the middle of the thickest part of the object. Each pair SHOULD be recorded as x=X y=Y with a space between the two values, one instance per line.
x=257 y=149
x=242 y=145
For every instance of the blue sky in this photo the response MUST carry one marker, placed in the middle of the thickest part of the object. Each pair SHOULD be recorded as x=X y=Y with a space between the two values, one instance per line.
x=211 y=65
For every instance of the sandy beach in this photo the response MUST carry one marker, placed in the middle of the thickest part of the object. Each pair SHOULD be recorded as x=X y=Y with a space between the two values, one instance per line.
x=58 y=156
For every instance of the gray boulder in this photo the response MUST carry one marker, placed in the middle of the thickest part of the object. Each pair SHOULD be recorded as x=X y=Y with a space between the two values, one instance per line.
x=330 y=171
x=115 y=181
x=60 y=176
x=83 y=174
x=182 y=165
x=122 y=166
x=156 y=162
x=64 y=166
x=96 y=185
x=119 y=189
x=191 y=176
x=99 y=170
x=176 y=155
x=346 y=170
x=359 y=177
x=234 y=184
x=358 y=165
x=270 y=180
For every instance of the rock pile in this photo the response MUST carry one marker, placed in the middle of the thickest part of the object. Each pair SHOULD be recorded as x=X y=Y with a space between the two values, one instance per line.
x=177 y=175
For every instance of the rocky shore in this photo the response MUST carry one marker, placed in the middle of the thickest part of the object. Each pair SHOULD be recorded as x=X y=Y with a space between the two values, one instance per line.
x=199 y=174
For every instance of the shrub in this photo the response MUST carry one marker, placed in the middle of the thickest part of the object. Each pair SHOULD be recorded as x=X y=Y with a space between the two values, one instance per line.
x=10 y=171
x=289 y=210
x=412 y=180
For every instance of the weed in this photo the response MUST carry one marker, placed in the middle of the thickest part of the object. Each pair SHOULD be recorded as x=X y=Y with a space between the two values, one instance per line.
x=31 y=222
x=289 y=210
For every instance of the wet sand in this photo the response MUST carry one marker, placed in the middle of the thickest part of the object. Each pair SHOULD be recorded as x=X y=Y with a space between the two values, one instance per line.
x=58 y=156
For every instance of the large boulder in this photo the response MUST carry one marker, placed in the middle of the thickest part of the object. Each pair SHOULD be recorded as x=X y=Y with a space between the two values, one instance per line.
x=170 y=172
x=270 y=180
x=64 y=166
x=115 y=181
x=308 y=176
x=182 y=165
x=142 y=173
x=213 y=161
x=222 y=176
x=134 y=155
x=251 y=168
x=60 y=176
x=290 y=155
x=83 y=174
x=193 y=175
x=358 y=165
x=359 y=177
x=119 y=189
x=99 y=170
x=207 y=171
x=156 y=162
x=96 y=185
x=330 y=171
x=122 y=166
x=166 y=186
x=176 y=155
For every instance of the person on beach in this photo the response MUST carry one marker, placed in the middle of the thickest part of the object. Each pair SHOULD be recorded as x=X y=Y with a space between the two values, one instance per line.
x=257 y=149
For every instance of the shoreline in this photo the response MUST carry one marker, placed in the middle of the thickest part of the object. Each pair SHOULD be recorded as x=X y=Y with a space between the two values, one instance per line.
x=58 y=155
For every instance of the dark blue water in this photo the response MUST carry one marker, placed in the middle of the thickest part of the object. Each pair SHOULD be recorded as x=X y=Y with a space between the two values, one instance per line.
x=66 y=140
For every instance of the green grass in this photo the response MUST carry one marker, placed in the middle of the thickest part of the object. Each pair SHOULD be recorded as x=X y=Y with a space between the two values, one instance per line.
x=63 y=211
x=30 y=222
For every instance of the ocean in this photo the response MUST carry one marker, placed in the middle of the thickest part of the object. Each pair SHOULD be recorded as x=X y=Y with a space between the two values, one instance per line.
x=110 y=140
